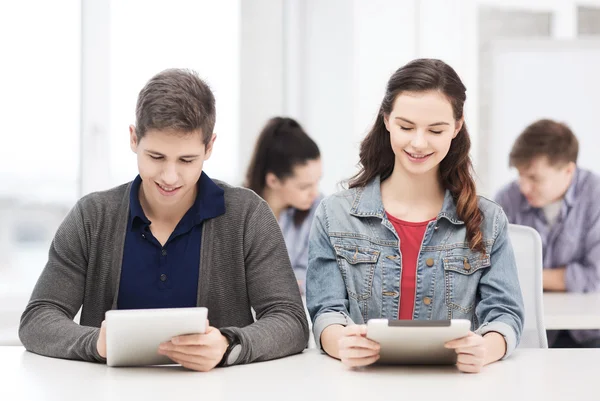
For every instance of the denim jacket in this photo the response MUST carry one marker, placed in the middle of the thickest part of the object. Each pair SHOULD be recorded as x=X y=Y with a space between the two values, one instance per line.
x=354 y=267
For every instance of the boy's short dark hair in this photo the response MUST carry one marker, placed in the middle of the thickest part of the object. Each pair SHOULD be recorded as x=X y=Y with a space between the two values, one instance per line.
x=176 y=99
x=547 y=138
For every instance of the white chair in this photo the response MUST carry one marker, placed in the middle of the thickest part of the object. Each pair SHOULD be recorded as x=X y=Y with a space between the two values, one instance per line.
x=527 y=245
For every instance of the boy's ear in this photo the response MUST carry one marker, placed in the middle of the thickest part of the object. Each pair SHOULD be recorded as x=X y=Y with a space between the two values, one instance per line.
x=133 y=139
x=209 y=147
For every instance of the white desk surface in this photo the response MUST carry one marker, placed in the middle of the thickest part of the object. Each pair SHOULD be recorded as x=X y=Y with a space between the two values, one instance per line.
x=535 y=374
x=571 y=311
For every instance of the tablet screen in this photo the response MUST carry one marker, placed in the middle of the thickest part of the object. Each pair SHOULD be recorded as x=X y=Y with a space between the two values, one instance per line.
x=133 y=336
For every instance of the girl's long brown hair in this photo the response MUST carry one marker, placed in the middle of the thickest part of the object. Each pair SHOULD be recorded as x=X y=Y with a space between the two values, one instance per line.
x=456 y=170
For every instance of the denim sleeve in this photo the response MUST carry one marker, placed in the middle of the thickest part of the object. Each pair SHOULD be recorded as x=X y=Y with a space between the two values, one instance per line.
x=584 y=275
x=501 y=306
x=326 y=296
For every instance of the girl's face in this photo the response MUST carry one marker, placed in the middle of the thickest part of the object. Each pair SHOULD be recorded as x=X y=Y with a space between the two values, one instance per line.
x=301 y=188
x=421 y=127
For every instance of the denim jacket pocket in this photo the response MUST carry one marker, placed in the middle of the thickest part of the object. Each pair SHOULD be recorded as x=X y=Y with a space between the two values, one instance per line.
x=358 y=268
x=461 y=275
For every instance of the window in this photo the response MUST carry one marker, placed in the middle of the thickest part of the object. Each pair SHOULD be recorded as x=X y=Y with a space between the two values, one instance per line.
x=39 y=156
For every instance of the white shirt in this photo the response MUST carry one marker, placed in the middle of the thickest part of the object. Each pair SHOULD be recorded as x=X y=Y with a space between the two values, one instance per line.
x=552 y=211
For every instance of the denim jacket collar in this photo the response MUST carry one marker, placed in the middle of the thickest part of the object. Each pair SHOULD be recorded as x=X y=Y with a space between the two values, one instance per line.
x=367 y=203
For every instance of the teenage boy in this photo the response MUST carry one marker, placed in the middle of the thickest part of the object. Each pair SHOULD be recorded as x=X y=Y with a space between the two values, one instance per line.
x=560 y=201
x=171 y=238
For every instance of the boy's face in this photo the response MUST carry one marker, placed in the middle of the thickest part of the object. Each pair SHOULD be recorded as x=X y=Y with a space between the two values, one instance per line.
x=543 y=183
x=170 y=164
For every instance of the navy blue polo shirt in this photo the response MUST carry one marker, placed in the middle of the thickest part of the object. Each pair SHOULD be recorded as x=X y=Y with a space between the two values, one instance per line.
x=155 y=276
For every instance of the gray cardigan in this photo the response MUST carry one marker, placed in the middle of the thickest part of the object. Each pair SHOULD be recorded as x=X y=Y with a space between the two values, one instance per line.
x=243 y=264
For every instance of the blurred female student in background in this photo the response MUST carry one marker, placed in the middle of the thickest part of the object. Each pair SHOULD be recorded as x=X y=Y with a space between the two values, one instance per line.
x=411 y=239
x=285 y=170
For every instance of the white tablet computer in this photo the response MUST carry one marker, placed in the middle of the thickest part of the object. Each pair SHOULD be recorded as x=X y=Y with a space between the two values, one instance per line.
x=133 y=335
x=416 y=342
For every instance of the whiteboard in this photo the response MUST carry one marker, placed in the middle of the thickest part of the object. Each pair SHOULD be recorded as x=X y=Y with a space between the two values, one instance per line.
x=534 y=79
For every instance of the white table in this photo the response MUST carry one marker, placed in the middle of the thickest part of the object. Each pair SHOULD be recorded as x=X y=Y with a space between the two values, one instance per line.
x=571 y=311
x=534 y=373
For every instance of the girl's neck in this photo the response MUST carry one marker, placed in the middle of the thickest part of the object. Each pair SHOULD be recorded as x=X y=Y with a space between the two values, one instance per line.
x=275 y=202
x=411 y=197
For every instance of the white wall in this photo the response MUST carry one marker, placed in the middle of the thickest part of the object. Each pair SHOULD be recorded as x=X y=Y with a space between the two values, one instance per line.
x=329 y=91
x=261 y=74
x=95 y=96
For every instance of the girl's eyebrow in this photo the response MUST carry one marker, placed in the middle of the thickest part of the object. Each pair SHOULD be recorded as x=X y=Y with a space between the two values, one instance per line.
x=431 y=125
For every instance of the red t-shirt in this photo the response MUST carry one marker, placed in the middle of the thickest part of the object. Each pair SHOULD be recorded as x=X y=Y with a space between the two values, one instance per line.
x=411 y=236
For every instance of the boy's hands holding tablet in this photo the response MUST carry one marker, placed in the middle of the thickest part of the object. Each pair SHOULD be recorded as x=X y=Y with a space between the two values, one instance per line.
x=143 y=337
x=201 y=352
